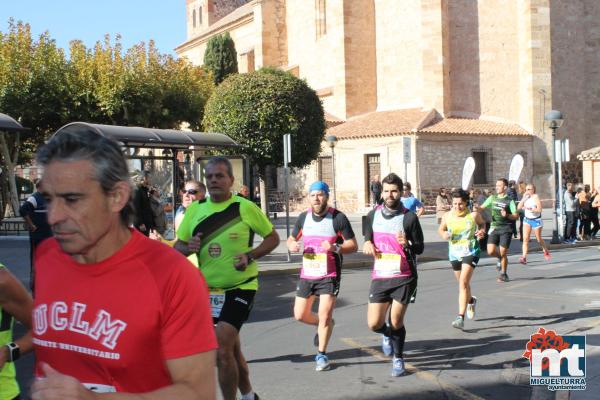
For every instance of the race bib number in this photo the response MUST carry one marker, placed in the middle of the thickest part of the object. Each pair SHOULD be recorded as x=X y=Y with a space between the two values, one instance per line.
x=387 y=265
x=98 y=388
x=217 y=299
x=314 y=265
x=460 y=248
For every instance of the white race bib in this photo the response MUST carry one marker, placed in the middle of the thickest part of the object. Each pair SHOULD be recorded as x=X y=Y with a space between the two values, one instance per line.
x=98 y=388
x=217 y=299
x=314 y=265
x=387 y=265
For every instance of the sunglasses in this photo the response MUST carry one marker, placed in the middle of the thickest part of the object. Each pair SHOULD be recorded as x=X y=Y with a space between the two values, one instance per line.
x=190 y=191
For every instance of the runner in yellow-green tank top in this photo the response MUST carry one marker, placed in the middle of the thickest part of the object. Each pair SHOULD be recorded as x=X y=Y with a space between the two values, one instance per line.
x=461 y=229
x=15 y=303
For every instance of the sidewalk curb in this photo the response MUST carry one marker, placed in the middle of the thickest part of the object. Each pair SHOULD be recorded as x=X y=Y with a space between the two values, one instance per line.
x=294 y=268
x=353 y=264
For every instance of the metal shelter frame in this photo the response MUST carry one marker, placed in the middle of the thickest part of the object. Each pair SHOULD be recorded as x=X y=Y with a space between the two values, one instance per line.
x=169 y=140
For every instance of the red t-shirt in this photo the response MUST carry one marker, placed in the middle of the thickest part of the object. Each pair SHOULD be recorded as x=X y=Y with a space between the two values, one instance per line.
x=112 y=325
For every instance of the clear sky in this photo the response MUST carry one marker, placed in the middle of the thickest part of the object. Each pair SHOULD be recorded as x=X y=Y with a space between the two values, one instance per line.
x=89 y=20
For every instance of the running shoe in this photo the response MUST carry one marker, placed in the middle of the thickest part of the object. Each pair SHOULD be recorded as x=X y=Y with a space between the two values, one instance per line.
x=471 y=308
x=498 y=265
x=397 y=366
x=523 y=260
x=386 y=345
x=503 y=278
x=322 y=362
x=459 y=322
x=547 y=255
x=316 y=337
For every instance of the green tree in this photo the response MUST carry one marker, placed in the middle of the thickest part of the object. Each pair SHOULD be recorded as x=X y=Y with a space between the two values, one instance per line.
x=43 y=90
x=258 y=108
x=220 y=57
x=33 y=89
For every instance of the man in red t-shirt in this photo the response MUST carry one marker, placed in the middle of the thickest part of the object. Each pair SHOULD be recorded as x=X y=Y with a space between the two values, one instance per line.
x=114 y=312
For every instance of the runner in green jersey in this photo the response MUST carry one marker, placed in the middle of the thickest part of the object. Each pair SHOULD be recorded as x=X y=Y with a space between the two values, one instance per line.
x=15 y=303
x=219 y=231
x=504 y=211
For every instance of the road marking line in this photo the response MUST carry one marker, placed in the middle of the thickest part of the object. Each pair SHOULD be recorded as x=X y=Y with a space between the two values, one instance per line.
x=424 y=375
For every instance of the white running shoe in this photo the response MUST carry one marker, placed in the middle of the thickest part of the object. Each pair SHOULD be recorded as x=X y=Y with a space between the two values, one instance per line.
x=458 y=323
x=471 y=308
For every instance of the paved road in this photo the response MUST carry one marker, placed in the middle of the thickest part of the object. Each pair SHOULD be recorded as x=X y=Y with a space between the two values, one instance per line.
x=482 y=362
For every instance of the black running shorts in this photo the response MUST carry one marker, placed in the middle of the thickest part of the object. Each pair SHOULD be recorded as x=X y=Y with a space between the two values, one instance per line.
x=236 y=308
x=470 y=260
x=501 y=238
x=310 y=287
x=403 y=291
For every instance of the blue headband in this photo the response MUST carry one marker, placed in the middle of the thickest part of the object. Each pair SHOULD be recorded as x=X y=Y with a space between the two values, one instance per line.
x=319 y=185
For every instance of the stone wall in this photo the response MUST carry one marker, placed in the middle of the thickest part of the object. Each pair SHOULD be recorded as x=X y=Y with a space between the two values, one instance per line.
x=575 y=27
x=308 y=52
x=440 y=161
x=398 y=48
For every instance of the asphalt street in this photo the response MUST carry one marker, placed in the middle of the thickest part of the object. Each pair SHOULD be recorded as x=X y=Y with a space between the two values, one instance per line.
x=482 y=362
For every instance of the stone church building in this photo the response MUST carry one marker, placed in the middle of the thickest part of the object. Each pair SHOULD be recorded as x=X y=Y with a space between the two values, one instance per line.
x=430 y=82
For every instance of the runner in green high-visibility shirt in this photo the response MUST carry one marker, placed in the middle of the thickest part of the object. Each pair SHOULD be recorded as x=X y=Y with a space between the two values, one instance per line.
x=15 y=303
x=504 y=210
x=219 y=232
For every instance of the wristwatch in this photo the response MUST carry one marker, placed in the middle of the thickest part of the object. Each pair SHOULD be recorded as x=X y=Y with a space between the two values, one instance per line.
x=336 y=248
x=249 y=257
x=14 y=352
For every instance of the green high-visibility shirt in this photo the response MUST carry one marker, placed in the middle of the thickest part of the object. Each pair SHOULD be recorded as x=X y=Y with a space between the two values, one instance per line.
x=9 y=388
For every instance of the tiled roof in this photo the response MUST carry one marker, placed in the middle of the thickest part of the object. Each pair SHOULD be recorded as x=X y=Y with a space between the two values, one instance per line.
x=331 y=120
x=422 y=122
x=591 y=154
x=464 y=126
x=378 y=124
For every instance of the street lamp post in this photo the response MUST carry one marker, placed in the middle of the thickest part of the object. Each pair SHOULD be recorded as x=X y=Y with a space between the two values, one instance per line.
x=554 y=119
x=332 y=141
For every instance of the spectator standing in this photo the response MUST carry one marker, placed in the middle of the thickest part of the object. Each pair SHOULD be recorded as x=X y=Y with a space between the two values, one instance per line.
x=35 y=215
x=442 y=205
x=585 y=212
x=595 y=201
x=375 y=188
x=158 y=211
x=571 y=218
x=143 y=220
x=244 y=192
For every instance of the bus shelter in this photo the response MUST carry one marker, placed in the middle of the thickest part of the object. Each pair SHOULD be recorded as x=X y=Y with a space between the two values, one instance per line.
x=166 y=155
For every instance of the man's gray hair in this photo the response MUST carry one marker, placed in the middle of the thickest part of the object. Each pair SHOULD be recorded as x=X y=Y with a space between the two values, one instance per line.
x=105 y=155
x=221 y=160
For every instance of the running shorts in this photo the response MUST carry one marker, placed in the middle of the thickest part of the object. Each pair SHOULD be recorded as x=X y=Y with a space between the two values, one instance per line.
x=533 y=222
x=316 y=287
x=403 y=291
x=471 y=260
x=500 y=238
x=236 y=307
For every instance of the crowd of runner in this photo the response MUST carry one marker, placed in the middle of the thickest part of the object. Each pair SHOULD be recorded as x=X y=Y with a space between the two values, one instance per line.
x=167 y=337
